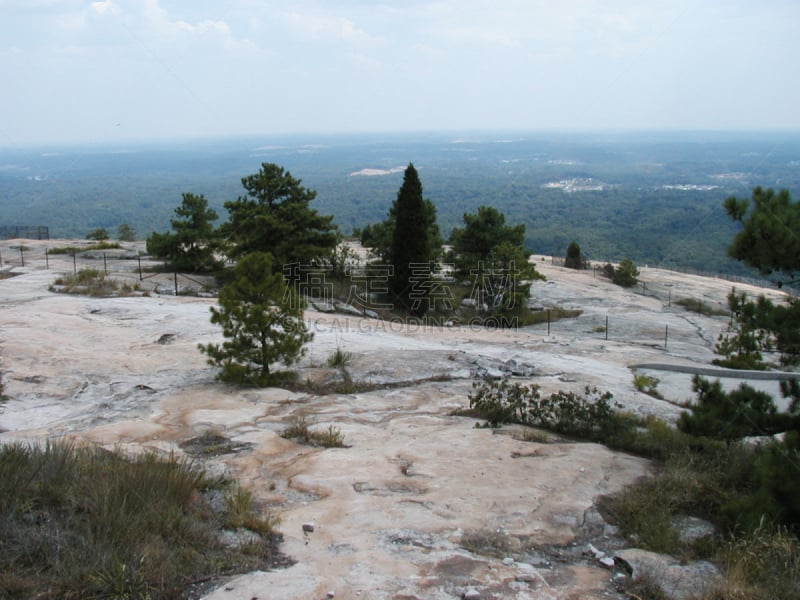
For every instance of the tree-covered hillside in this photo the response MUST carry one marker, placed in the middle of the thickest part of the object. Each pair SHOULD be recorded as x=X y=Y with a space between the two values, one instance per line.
x=656 y=198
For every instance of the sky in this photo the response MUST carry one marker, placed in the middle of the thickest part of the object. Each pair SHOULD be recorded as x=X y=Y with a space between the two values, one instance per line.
x=76 y=71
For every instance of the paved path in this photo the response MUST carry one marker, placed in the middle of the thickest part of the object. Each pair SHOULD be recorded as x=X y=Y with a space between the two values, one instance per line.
x=719 y=372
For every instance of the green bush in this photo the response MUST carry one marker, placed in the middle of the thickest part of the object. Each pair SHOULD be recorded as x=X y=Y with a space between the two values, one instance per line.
x=590 y=416
x=646 y=384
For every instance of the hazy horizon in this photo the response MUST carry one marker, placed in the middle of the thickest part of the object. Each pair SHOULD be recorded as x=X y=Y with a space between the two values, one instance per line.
x=124 y=71
x=478 y=136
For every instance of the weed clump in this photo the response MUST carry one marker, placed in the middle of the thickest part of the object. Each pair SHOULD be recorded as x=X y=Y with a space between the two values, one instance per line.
x=92 y=283
x=300 y=430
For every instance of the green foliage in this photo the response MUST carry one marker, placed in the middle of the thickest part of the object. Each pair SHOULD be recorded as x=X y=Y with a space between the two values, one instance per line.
x=646 y=384
x=378 y=236
x=481 y=234
x=491 y=254
x=126 y=233
x=262 y=321
x=78 y=249
x=275 y=217
x=98 y=234
x=90 y=523
x=701 y=307
x=590 y=416
x=411 y=246
x=242 y=512
x=775 y=472
x=193 y=242
x=760 y=326
x=731 y=415
x=574 y=259
x=746 y=337
x=768 y=240
x=626 y=274
x=340 y=359
x=776 y=497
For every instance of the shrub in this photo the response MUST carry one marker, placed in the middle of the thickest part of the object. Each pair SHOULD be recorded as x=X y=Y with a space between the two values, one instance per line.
x=589 y=416
x=646 y=384
x=626 y=274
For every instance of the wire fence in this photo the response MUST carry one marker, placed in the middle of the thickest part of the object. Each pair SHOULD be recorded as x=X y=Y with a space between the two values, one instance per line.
x=129 y=265
x=30 y=232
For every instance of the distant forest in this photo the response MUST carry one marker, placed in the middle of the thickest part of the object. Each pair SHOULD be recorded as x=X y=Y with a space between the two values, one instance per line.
x=653 y=197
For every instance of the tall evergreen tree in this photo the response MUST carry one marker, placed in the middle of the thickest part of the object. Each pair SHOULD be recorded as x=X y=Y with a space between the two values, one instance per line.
x=411 y=252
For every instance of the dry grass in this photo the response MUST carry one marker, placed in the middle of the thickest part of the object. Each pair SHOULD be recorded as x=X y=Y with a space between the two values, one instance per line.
x=300 y=430
x=88 y=523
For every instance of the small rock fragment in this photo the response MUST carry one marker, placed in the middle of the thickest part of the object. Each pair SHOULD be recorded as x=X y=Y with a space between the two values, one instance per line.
x=607 y=562
x=508 y=561
x=472 y=594
x=330 y=594
x=308 y=527
x=594 y=552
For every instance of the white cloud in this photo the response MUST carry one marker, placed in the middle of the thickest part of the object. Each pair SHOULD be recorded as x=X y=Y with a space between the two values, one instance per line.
x=207 y=26
x=105 y=7
x=329 y=26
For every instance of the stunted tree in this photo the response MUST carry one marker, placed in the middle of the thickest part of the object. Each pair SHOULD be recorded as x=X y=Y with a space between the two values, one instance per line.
x=193 y=242
x=493 y=256
x=574 y=259
x=99 y=234
x=275 y=216
x=126 y=233
x=262 y=322
x=482 y=233
x=625 y=274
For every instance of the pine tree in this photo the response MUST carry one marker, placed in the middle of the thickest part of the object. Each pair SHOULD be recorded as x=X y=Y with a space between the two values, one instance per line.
x=192 y=243
x=262 y=321
x=275 y=217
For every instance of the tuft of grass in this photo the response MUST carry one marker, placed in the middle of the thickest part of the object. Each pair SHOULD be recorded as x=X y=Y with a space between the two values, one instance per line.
x=340 y=359
x=762 y=565
x=702 y=307
x=300 y=430
x=76 y=249
x=647 y=384
x=534 y=436
x=89 y=523
x=486 y=542
x=551 y=314
x=90 y=282
x=242 y=512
